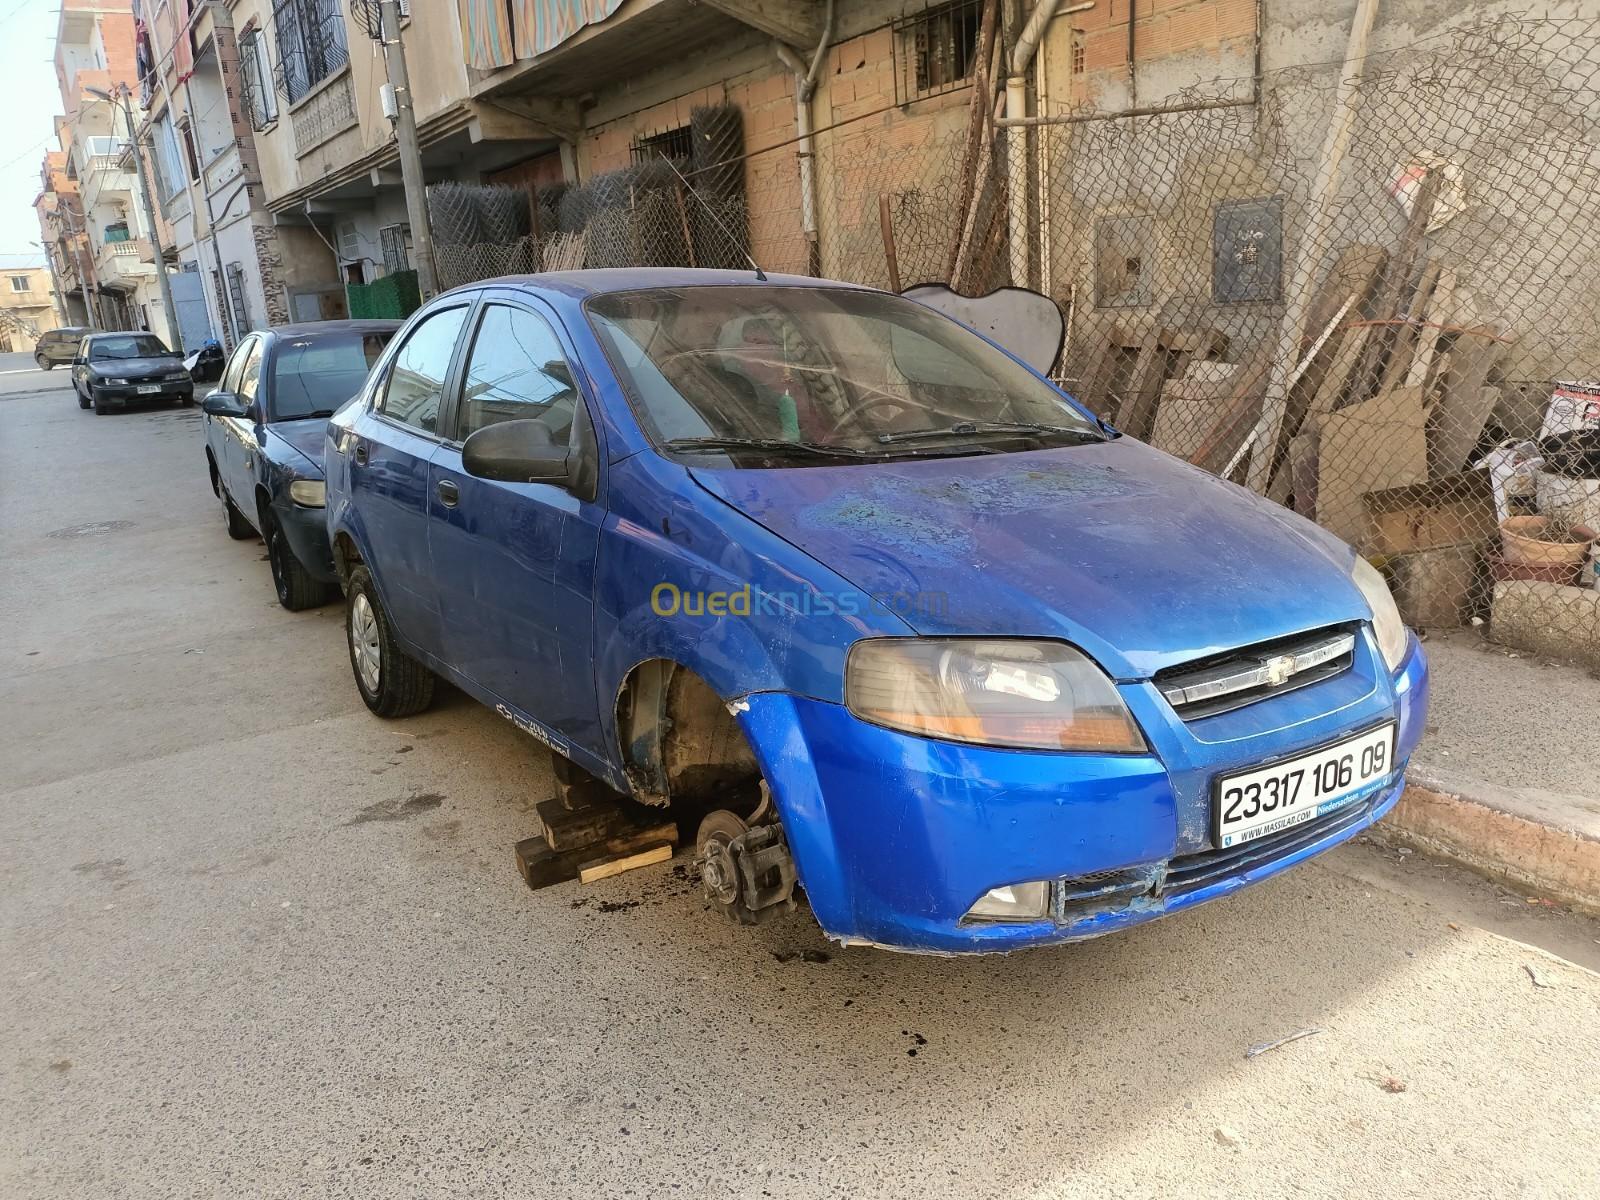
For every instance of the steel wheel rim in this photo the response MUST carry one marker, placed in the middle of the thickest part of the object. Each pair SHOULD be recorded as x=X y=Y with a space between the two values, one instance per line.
x=364 y=642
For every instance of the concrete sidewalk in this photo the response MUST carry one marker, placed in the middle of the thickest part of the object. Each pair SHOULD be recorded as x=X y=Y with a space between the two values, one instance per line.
x=1507 y=779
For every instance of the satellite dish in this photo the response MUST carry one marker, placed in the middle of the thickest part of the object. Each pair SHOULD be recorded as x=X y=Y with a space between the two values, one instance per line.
x=1025 y=322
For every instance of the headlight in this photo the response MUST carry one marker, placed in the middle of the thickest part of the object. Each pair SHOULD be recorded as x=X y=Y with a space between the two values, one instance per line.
x=1386 y=623
x=177 y=375
x=115 y=382
x=1039 y=695
x=312 y=493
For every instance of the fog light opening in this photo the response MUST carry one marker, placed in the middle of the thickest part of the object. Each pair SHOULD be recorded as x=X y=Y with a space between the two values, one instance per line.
x=1014 y=902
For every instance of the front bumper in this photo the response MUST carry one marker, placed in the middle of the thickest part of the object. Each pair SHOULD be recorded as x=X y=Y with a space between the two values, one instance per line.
x=170 y=389
x=307 y=532
x=895 y=837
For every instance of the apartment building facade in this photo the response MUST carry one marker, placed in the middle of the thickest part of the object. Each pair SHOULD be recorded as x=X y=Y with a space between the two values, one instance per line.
x=27 y=303
x=91 y=219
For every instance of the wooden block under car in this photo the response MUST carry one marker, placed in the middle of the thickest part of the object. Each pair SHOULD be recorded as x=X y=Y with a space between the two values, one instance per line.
x=604 y=868
x=540 y=866
x=1455 y=510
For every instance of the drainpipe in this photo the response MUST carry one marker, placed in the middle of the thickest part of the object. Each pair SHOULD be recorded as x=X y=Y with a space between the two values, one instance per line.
x=805 y=87
x=1044 y=11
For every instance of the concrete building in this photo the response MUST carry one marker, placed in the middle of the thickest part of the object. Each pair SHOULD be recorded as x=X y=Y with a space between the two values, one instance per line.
x=64 y=238
x=89 y=209
x=313 y=73
x=223 y=242
x=27 y=302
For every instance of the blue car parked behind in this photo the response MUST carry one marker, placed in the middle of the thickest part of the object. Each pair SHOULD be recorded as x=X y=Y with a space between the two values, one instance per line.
x=264 y=435
x=865 y=600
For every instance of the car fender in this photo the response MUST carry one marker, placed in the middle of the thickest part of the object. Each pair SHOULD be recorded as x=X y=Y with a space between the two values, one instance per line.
x=773 y=619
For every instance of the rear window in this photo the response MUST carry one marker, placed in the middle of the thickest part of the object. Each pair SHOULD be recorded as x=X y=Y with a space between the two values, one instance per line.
x=314 y=374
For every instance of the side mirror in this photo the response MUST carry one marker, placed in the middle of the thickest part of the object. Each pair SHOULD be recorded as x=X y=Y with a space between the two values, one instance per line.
x=77 y=360
x=223 y=404
x=515 y=452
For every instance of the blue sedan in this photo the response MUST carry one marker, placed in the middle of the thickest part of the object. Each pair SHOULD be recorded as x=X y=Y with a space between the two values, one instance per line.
x=264 y=431
x=866 y=604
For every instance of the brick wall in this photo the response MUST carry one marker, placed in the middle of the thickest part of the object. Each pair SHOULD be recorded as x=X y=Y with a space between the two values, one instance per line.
x=1161 y=29
x=765 y=95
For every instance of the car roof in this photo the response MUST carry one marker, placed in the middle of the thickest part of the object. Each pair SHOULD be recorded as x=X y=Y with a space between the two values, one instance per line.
x=310 y=328
x=603 y=280
x=111 y=333
x=69 y=331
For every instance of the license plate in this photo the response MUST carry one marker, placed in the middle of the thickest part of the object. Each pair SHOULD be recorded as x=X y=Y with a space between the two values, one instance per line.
x=1252 y=804
x=149 y=389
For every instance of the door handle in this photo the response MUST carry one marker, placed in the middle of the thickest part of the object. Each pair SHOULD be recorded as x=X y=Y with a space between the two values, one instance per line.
x=360 y=454
x=449 y=494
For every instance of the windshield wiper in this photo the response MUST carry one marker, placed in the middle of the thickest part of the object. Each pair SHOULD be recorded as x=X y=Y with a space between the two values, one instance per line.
x=969 y=428
x=766 y=445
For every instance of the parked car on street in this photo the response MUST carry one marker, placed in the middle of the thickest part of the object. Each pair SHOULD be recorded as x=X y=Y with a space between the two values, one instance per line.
x=264 y=434
x=56 y=347
x=870 y=603
x=114 y=370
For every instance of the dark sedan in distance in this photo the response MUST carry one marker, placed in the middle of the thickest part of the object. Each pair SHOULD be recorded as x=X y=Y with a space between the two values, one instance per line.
x=114 y=370
x=264 y=437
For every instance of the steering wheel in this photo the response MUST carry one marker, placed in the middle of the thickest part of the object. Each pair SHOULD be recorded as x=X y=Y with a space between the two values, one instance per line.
x=858 y=414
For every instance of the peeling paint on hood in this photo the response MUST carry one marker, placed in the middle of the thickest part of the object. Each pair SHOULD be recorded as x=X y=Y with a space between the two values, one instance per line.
x=1140 y=559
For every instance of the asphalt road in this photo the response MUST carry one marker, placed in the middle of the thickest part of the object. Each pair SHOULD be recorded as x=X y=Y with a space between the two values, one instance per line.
x=255 y=942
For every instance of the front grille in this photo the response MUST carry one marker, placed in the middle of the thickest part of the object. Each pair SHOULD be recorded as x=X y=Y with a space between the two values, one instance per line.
x=1228 y=681
x=1189 y=872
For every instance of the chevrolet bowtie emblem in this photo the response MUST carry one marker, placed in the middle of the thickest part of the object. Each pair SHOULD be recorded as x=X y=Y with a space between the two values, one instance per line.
x=1279 y=669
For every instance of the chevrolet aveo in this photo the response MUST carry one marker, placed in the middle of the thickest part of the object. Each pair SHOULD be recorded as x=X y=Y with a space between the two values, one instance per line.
x=865 y=601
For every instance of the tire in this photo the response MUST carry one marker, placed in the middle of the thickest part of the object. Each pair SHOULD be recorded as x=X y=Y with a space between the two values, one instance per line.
x=100 y=409
x=297 y=588
x=82 y=403
x=44 y=363
x=391 y=682
x=239 y=529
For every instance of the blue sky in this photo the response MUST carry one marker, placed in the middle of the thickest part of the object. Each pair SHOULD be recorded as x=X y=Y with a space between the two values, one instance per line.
x=27 y=42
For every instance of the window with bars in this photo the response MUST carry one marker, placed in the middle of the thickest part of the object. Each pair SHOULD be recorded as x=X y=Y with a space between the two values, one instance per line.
x=311 y=44
x=395 y=241
x=255 y=79
x=674 y=143
x=936 y=50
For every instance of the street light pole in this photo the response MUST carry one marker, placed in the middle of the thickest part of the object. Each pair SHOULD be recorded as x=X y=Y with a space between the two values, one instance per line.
x=394 y=58
x=173 y=330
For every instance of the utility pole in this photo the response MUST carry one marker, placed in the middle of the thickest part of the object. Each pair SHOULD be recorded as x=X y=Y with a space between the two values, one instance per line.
x=173 y=331
x=55 y=282
x=405 y=122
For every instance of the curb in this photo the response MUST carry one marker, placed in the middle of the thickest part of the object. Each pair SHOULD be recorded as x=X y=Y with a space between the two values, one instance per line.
x=1477 y=832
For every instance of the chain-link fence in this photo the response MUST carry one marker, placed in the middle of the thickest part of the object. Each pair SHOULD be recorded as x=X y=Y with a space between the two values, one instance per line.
x=1408 y=352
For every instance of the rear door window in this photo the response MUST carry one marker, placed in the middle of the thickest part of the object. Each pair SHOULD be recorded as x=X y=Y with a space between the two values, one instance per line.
x=414 y=390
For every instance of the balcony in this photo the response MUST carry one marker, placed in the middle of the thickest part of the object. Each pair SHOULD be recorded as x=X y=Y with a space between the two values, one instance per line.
x=119 y=262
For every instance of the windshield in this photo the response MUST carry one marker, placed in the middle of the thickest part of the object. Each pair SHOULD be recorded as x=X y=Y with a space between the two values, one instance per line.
x=801 y=376
x=133 y=345
x=314 y=374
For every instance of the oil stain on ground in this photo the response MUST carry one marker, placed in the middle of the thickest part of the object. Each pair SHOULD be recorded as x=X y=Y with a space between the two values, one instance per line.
x=398 y=810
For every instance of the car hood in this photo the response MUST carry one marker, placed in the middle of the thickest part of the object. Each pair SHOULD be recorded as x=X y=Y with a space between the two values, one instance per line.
x=136 y=368
x=1141 y=560
x=306 y=436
